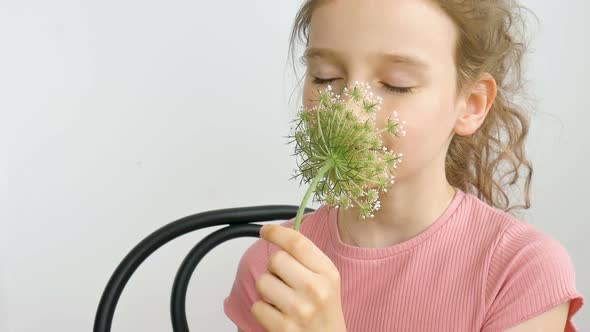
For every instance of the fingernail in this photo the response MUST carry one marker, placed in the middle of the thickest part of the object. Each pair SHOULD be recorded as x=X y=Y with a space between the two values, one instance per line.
x=262 y=229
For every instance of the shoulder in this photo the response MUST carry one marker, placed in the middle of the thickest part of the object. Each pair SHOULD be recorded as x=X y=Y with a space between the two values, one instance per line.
x=309 y=220
x=312 y=226
x=516 y=247
x=502 y=235
x=243 y=293
x=484 y=216
x=522 y=248
x=481 y=227
x=528 y=273
x=255 y=259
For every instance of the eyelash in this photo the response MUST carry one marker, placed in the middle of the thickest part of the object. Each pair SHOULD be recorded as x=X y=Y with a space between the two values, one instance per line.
x=317 y=80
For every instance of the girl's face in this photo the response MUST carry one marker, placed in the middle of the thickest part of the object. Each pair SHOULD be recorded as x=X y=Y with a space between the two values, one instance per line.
x=404 y=49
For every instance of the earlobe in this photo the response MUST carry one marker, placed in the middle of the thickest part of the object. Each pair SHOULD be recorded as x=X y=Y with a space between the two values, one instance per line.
x=478 y=99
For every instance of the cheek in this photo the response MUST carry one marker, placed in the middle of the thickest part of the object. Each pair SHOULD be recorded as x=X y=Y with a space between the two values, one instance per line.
x=306 y=94
x=429 y=121
x=305 y=98
x=310 y=93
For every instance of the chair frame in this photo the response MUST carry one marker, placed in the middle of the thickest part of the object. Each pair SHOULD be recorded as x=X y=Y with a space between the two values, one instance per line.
x=240 y=223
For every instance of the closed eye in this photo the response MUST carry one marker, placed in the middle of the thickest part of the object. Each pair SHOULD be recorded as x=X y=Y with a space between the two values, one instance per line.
x=396 y=89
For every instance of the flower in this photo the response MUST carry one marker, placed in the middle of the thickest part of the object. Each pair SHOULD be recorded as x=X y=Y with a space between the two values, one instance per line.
x=341 y=150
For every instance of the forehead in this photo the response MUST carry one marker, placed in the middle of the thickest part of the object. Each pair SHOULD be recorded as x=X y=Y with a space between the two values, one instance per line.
x=408 y=60
x=356 y=28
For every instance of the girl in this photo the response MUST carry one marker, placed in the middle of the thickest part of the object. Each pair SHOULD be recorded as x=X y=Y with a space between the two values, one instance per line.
x=442 y=253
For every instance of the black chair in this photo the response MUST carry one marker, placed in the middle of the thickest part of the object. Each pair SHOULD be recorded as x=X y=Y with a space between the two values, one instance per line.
x=239 y=221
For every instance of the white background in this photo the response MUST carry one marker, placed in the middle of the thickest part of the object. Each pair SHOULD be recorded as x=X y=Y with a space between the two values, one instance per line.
x=117 y=117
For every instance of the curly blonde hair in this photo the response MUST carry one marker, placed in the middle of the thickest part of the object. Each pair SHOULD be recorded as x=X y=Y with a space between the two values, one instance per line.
x=491 y=39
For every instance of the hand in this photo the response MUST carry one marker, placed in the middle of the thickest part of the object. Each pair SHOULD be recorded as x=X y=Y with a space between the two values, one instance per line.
x=301 y=289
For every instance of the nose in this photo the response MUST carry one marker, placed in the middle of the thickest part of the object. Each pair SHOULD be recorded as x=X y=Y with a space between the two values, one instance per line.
x=357 y=106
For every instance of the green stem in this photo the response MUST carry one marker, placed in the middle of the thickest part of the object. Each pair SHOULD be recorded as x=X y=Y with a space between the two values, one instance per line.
x=319 y=126
x=385 y=129
x=329 y=164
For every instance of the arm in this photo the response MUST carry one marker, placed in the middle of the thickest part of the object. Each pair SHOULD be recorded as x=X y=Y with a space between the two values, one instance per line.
x=550 y=321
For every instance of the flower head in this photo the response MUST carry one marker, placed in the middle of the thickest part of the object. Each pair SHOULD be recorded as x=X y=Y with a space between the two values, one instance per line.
x=341 y=149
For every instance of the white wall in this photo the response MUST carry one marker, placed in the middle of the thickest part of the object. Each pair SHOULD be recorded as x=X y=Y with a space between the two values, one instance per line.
x=111 y=126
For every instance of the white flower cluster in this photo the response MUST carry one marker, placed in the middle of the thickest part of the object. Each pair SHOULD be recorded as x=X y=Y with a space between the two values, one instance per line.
x=342 y=152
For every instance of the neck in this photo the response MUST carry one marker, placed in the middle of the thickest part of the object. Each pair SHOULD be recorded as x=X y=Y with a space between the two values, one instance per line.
x=408 y=207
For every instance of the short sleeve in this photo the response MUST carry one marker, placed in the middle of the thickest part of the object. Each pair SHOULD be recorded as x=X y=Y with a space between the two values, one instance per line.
x=529 y=274
x=243 y=293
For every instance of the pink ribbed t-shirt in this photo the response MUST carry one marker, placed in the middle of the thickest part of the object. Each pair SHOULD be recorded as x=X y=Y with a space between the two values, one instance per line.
x=476 y=268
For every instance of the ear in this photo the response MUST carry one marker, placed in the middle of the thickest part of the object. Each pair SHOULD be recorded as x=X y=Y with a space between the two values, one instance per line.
x=476 y=101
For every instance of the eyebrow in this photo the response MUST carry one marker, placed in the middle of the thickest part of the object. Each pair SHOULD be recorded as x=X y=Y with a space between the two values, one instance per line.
x=318 y=52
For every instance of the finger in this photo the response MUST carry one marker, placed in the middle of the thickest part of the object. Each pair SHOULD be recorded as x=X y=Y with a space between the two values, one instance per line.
x=298 y=245
x=277 y=293
x=268 y=316
x=289 y=270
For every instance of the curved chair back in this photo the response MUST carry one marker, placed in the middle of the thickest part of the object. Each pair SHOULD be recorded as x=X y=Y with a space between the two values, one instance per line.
x=240 y=224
